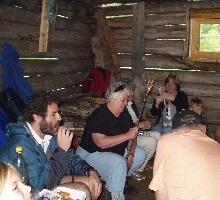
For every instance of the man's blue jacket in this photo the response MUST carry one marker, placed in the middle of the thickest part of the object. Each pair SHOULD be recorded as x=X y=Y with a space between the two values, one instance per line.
x=42 y=172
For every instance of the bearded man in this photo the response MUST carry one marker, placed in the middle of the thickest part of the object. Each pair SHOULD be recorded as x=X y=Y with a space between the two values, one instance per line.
x=46 y=148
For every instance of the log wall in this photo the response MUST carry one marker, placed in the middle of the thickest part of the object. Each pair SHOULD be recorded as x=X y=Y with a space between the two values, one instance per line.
x=69 y=42
x=166 y=48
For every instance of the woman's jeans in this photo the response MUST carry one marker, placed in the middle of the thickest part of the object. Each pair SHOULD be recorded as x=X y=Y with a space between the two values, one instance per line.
x=162 y=129
x=112 y=167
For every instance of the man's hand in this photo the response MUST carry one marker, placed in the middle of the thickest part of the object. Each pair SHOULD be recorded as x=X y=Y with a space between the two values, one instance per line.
x=64 y=138
x=92 y=181
x=95 y=184
x=144 y=125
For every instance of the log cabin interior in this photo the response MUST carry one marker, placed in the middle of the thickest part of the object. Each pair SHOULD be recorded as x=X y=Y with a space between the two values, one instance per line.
x=60 y=41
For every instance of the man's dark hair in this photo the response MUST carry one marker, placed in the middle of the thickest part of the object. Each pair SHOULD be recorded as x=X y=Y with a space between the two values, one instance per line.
x=38 y=103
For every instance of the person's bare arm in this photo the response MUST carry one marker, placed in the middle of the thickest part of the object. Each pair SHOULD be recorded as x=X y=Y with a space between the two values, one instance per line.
x=104 y=141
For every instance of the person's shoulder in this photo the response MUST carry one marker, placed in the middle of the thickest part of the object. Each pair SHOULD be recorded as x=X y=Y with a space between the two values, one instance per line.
x=102 y=108
x=168 y=136
x=100 y=111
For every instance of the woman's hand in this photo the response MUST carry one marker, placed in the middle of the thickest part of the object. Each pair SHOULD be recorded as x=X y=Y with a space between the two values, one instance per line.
x=168 y=96
x=132 y=133
x=160 y=98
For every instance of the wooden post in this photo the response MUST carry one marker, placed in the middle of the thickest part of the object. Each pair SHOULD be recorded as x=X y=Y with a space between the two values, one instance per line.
x=138 y=50
x=138 y=42
x=44 y=28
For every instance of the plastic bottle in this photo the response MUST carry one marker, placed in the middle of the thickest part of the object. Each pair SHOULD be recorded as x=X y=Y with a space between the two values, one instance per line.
x=20 y=164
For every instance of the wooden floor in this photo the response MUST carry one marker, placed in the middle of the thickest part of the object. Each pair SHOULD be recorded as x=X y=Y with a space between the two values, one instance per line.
x=143 y=192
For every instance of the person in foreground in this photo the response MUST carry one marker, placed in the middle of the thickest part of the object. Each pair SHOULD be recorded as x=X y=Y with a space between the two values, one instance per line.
x=187 y=161
x=11 y=186
x=167 y=103
x=46 y=147
x=106 y=143
x=146 y=139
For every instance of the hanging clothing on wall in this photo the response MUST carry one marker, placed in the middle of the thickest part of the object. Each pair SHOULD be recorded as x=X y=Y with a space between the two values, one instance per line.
x=13 y=74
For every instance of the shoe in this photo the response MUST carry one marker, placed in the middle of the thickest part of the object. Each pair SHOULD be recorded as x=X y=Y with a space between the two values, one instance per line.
x=139 y=176
x=129 y=190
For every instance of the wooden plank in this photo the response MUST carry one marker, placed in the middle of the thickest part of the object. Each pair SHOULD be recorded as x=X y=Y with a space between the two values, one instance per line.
x=27 y=31
x=67 y=6
x=164 y=47
x=68 y=93
x=23 y=31
x=155 y=32
x=178 y=6
x=166 y=19
x=46 y=67
x=57 y=50
x=166 y=32
x=57 y=81
x=44 y=28
x=158 y=47
x=165 y=7
x=19 y=15
x=118 y=10
x=138 y=42
x=205 y=13
x=169 y=62
x=33 y=18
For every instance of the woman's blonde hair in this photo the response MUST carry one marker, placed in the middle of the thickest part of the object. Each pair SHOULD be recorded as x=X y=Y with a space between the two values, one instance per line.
x=5 y=170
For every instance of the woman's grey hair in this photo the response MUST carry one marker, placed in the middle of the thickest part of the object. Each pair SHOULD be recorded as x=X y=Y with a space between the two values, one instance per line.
x=115 y=90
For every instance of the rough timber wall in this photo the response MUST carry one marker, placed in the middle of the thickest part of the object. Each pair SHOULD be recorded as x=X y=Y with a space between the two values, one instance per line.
x=69 y=44
x=166 y=48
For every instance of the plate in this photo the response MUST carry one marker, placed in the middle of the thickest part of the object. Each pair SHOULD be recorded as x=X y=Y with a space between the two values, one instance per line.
x=74 y=194
x=48 y=195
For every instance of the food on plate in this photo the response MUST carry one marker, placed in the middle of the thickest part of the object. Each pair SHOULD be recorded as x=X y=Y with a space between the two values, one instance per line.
x=65 y=195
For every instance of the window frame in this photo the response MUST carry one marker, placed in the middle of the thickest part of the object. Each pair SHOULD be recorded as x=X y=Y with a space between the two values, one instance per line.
x=198 y=17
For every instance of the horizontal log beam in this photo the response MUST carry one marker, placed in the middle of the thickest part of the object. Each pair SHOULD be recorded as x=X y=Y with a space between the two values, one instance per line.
x=169 y=62
x=57 y=50
x=46 y=67
x=27 y=31
x=165 y=19
x=54 y=82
